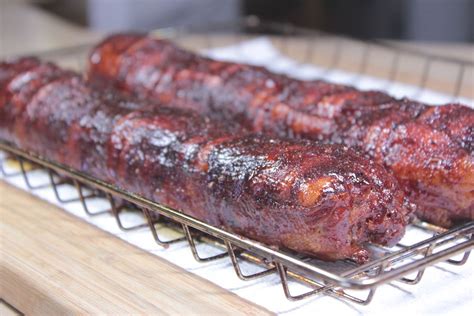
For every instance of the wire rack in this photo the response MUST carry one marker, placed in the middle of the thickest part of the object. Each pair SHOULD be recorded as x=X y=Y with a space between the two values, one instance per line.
x=343 y=279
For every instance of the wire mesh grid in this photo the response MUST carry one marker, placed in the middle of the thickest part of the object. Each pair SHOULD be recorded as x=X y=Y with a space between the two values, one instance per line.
x=424 y=245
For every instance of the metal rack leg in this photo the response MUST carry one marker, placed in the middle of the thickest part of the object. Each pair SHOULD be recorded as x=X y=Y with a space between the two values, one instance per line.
x=24 y=173
x=237 y=269
x=462 y=261
x=194 y=250
x=393 y=71
x=83 y=199
x=3 y=171
x=151 y=224
x=286 y=289
x=363 y=65
x=336 y=57
x=423 y=79
x=327 y=289
x=420 y=273
x=116 y=212
x=459 y=82
x=55 y=185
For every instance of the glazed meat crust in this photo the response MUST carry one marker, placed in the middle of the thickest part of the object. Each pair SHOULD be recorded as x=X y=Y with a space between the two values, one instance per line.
x=429 y=149
x=8 y=71
x=324 y=200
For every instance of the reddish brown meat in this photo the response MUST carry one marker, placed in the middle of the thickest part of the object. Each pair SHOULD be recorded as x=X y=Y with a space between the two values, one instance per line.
x=324 y=200
x=8 y=71
x=430 y=150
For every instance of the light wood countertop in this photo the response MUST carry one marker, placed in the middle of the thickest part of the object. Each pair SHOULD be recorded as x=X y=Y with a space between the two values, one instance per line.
x=52 y=263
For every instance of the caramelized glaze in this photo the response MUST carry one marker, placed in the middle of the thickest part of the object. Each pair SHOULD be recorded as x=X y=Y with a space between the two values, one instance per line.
x=429 y=149
x=324 y=200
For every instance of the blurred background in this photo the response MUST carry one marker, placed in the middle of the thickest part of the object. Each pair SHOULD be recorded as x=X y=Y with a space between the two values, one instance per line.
x=443 y=27
x=425 y=20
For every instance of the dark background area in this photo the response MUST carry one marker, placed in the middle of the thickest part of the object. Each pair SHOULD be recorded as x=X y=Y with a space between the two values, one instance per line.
x=431 y=20
x=428 y=20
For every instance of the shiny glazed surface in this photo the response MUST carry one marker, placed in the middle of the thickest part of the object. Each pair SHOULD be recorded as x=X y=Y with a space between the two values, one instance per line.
x=324 y=200
x=429 y=149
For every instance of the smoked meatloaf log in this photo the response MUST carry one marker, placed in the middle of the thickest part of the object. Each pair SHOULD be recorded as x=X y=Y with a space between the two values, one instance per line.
x=324 y=200
x=429 y=149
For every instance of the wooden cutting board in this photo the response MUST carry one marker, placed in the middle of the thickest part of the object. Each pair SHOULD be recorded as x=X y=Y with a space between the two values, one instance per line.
x=53 y=263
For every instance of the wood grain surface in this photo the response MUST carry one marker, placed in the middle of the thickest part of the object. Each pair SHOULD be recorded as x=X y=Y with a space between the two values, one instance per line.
x=52 y=263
